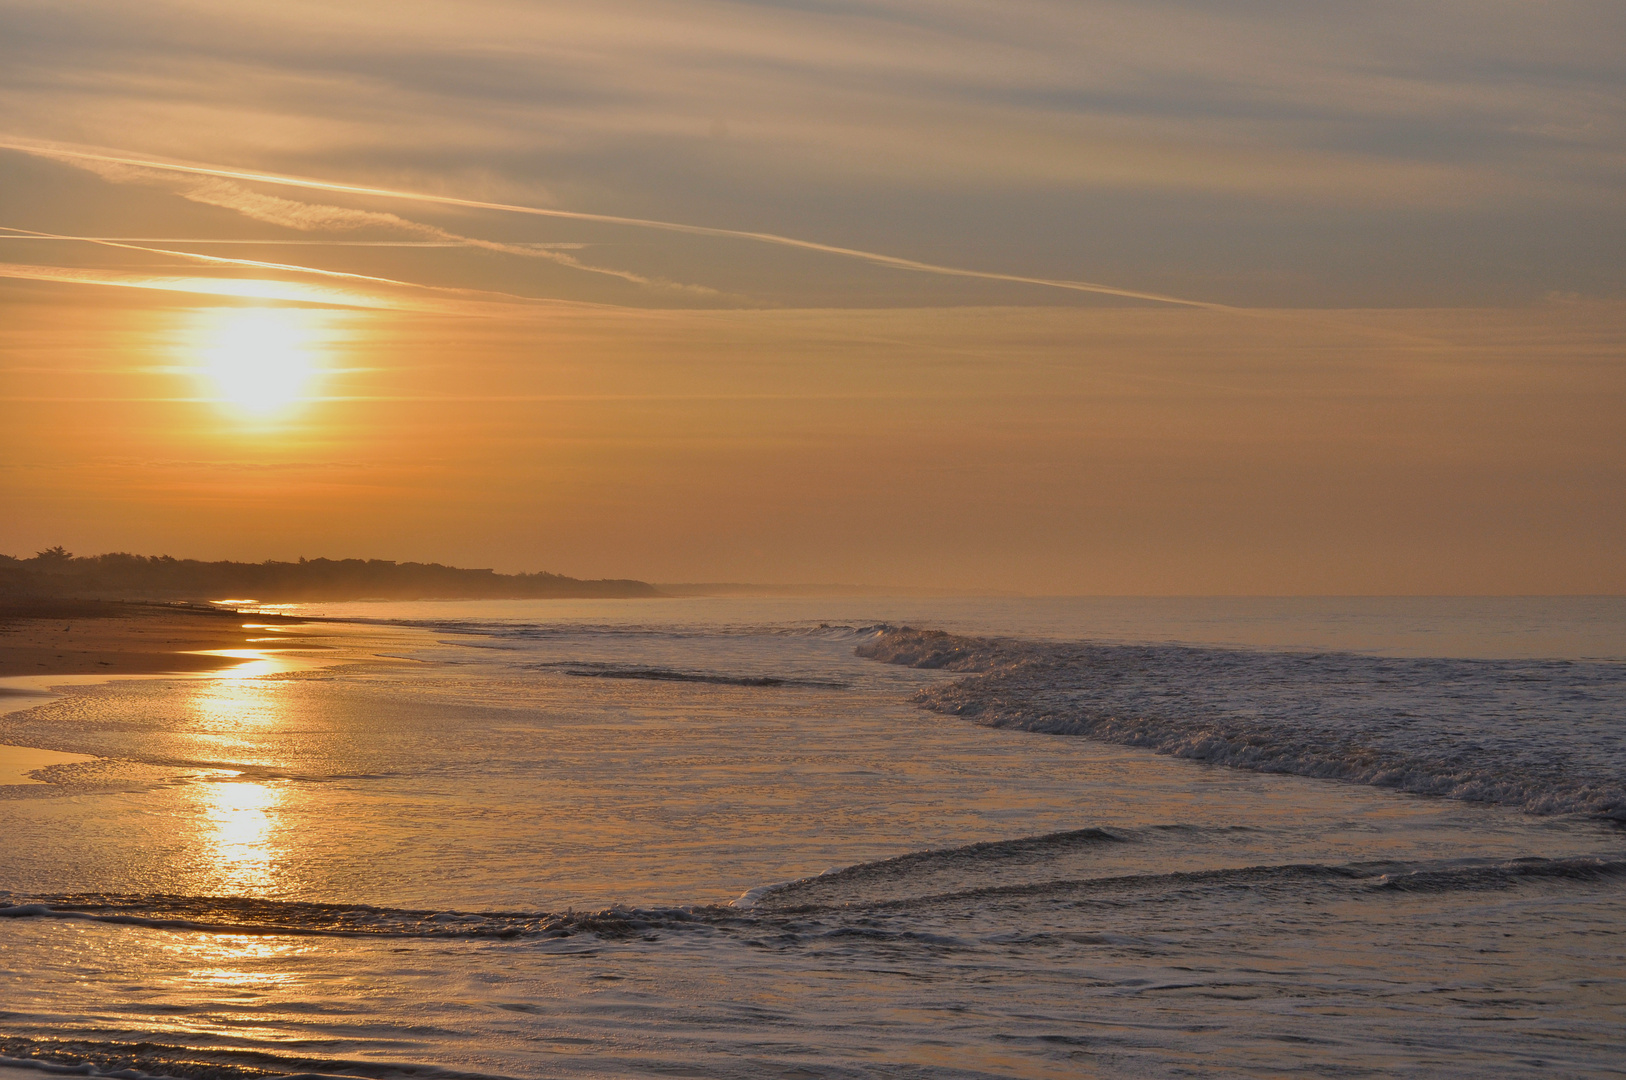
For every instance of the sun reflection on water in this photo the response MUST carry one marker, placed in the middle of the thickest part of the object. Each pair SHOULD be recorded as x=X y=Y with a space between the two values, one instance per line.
x=238 y=818
x=254 y=663
x=235 y=967
x=237 y=710
x=239 y=821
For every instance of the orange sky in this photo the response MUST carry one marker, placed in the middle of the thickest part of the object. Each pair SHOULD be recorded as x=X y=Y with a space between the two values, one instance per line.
x=1088 y=298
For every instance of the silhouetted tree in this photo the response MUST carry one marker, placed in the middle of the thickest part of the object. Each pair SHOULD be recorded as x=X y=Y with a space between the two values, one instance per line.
x=122 y=575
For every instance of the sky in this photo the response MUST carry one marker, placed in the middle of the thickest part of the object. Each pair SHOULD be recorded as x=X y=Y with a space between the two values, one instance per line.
x=1072 y=297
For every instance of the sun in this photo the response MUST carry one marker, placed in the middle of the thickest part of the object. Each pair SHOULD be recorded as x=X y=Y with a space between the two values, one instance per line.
x=259 y=361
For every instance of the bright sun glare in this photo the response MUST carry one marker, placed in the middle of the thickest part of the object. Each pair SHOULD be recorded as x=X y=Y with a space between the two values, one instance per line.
x=261 y=361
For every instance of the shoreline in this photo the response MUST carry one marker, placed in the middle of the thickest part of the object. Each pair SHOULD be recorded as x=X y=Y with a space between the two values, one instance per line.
x=48 y=637
x=49 y=645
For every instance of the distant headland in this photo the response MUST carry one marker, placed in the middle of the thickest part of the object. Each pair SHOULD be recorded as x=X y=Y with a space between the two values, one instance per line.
x=120 y=576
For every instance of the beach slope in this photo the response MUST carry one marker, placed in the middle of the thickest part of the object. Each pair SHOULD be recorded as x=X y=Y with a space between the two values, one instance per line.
x=89 y=637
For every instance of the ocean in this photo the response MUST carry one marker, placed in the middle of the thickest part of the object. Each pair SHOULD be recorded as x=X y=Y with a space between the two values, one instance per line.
x=837 y=837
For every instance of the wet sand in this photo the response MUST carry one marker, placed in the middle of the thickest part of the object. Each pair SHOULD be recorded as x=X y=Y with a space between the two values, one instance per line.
x=19 y=763
x=98 y=637
x=48 y=644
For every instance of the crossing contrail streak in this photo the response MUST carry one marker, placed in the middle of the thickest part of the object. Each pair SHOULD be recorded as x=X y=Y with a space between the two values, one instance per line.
x=24 y=234
x=217 y=260
x=174 y=284
x=872 y=257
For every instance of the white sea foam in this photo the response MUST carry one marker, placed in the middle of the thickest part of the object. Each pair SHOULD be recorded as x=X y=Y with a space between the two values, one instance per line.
x=1539 y=735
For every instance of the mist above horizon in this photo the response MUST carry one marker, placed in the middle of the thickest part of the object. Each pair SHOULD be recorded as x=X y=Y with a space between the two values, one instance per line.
x=1048 y=297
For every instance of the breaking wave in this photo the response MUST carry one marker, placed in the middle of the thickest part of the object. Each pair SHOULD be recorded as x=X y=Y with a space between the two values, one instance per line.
x=1373 y=879
x=134 y=1060
x=1543 y=736
x=819 y=906
x=616 y=671
x=247 y=915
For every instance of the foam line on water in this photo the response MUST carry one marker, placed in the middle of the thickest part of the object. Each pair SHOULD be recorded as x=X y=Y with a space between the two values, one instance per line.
x=1540 y=736
x=584 y=670
x=770 y=906
x=144 y=1060
x=249 y=916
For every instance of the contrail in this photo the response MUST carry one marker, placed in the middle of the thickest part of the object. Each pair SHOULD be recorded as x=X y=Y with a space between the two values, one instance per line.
x=243 y=288
x=25 y=234
x=872 y=257
x=176 y=284
x=258 y=264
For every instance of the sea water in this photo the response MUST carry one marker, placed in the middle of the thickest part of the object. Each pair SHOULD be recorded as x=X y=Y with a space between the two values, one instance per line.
x=799 y=838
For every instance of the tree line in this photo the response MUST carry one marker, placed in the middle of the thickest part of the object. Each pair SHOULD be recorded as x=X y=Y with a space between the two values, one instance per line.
x=57 y=572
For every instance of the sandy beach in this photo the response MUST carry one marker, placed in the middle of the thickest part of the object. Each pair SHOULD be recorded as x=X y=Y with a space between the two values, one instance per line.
x=96 y=637
x=50 y=643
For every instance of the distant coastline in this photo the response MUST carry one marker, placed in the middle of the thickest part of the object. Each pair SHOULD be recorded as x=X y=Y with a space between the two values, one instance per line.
x=57 y=573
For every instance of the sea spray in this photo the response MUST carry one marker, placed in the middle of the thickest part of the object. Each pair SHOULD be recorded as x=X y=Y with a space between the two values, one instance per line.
x=1540 y=736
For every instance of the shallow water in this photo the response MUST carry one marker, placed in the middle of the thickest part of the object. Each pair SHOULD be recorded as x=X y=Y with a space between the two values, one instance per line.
x=536 y=840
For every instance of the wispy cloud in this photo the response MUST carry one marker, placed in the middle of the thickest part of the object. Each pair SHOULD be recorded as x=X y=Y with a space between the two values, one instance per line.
x=339 y=289
x=264 y=241
x=214 y=260
x=245 y=288
x=1261 y=153
x=216 y=189
x=283 y=211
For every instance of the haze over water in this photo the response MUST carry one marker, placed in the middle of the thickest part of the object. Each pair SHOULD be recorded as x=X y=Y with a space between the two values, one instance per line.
x=622 y=838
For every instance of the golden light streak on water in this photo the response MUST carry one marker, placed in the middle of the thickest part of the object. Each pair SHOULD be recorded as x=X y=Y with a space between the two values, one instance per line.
x=239 y=821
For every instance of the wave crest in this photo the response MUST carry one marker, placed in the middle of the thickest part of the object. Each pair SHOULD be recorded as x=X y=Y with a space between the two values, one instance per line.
x=247 y=915
x=1536 y=735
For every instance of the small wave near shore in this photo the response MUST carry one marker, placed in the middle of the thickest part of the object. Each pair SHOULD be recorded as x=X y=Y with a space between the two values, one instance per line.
x=1542 y=736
